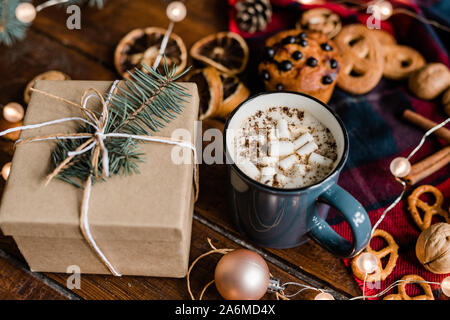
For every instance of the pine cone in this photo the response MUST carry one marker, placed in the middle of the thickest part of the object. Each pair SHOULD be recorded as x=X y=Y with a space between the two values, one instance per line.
x=253 y=15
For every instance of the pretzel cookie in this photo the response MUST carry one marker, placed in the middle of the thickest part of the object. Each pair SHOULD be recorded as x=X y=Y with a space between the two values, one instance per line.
x=411 y=278
x=383 y=37
x=362 y=59
x=414 y=204
x=321 y=19
x=401 y=61
x=391 y=249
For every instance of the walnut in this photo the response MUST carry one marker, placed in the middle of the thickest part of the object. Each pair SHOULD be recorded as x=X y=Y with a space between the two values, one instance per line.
x=430 y=81
x=433 y=248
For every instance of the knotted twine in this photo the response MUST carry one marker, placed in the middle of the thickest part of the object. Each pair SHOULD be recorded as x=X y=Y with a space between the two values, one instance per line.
x=96 y=145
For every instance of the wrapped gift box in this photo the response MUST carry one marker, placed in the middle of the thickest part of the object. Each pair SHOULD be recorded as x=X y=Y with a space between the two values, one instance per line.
x=141 y=222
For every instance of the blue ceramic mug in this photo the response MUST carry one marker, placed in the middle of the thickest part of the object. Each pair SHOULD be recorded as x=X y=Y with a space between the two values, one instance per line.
x=284 y=218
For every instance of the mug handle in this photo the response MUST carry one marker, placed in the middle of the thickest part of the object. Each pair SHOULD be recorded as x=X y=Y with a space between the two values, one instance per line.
x=355 y=215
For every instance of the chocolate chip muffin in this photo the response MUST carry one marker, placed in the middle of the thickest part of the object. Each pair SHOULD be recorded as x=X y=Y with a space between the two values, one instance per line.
x=301 y=61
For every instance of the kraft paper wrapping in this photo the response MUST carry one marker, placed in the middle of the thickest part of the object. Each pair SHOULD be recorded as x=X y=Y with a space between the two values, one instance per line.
x=137 y=220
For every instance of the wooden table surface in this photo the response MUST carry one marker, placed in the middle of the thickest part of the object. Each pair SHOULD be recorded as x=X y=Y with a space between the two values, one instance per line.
x=87 y=54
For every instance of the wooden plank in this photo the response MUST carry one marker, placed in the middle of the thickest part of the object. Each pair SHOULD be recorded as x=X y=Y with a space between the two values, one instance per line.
x=101 y=31
x=17 y=283
x=126 y=287
x=23 y=61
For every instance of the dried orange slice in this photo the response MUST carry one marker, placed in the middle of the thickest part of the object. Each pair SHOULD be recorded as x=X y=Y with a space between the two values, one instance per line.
x=210 y=90
x=142 y=46
x=49 y=75
x=225 y=51
x=234 y=92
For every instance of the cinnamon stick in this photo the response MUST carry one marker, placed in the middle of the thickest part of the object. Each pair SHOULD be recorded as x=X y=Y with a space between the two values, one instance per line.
x=428 y=166
x=426 y=124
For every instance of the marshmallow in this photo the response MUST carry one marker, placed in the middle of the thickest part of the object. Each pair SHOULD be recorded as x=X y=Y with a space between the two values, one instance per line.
x=302 y=140
x=307 y=148
x=268 y=171
x=288 y=162
x=296 y=131
x=281 y=148
x=320 y=160
x=257 y=137
x=249 y=168
x=282 y=179
x=282 y=129
x=267 y=180
x=272 y=135
x=267 y=161
x=300 y=169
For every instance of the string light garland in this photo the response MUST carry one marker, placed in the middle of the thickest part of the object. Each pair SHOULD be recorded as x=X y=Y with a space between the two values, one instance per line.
x=5 y=170
x=400 y=168
x=176 y=11
x=445 y=288
x=13 y=112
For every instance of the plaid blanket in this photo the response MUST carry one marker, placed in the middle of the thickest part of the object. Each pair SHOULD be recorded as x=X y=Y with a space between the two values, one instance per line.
x=377 y=132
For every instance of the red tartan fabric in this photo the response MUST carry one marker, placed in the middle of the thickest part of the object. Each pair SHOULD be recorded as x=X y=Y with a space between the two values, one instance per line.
x=401 y=226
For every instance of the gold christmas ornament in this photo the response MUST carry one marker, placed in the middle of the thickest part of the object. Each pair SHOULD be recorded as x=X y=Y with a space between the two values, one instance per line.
x=433 y=248
x=242 y=275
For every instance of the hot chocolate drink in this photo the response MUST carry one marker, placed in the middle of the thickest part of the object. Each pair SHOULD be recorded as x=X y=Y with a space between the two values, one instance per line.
x=285 y=148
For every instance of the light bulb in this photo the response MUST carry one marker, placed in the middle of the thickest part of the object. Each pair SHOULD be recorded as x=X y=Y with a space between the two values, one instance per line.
x=400 y=167
x=367 y=263
x=445 y=286
x=384 y=8
x=324 y=296
x=13 y=112
x=176 y=11
x=5 y=170
x=25 y=12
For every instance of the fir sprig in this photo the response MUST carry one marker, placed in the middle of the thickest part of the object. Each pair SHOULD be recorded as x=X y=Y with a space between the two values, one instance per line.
x=11 y=29
x=141 y=105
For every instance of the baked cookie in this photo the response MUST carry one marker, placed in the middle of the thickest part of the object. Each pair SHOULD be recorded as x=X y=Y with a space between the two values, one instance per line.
x=362 y=59
x=320 y=19
x=430 y=81
x=391 y=250
x=401 y=61
x=411 y=278
x=301 y=61
x=384 y=37
x=416 y=205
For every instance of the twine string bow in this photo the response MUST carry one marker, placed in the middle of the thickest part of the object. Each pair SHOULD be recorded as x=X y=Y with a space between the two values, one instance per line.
x=95 y=144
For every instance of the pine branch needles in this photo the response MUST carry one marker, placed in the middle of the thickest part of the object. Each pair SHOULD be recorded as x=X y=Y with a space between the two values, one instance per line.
x=140 y=105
